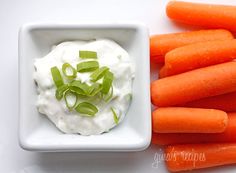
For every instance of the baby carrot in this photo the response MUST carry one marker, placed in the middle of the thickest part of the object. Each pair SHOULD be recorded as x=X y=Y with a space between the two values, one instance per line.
x=161 y=44
x=229 y=135
x=196 y=156
x=156 y=58
x=199 y=55
x=225 y=102
x=194 y=85
x=208 y=15
x=162 y=72
x=188 y=120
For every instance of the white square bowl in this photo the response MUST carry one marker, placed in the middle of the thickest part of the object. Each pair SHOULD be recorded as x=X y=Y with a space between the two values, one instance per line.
x=37 y=133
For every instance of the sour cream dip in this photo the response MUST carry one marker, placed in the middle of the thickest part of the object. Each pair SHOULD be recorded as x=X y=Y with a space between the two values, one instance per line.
x=109 y=54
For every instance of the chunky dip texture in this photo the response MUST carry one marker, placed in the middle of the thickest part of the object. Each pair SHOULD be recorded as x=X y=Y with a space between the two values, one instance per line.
x=110 y=110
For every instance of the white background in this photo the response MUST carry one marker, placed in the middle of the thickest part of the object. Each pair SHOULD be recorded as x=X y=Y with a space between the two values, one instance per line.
x=14 y=13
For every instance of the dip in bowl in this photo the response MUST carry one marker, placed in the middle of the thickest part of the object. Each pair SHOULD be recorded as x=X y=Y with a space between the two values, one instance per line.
x=133 y=133
x=105 y=91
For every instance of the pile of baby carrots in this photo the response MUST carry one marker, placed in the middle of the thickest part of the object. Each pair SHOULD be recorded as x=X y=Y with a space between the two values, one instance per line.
x=195 y=95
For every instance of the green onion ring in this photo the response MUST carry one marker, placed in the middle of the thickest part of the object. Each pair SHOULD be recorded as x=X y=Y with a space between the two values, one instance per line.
x=87 y=66
x=108 y=96
x=56 y=76
x=98 y=74
x=95 y=89
x=60 y=91
x=87 y=54
x=79 y=87
x=86 y=109
x=66 y=66
x=107 y=82
x=67 y=94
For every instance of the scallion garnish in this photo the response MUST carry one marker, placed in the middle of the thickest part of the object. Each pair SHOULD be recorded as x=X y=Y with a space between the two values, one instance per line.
x=70 y=99
x=94 y=89
x=69 y=71
x=79 y=87
x=108 y=96
x=56 y=76
x=60 y=91
x=75 y=88
x=107 y=82
x=115 y=117
x=87 y=66
x=86 y=109
x=98 y=74
x=87 y=54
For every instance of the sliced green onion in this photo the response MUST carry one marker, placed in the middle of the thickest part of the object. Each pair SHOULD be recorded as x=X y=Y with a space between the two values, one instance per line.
x=94 y=89
x=115 y=117
x=56 y=76
x=108 y=96
x=69 y=71
x=77 y=90
x=98 y=74
x=79 y=87
x=87 y=66
x=86 y=108
x=60 y=91
x=70 y=99
x=84 y=89
x=107 y=82
x=87 y=54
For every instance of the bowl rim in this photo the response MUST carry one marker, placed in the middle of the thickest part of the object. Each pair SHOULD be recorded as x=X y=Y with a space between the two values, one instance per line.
x=83 y=24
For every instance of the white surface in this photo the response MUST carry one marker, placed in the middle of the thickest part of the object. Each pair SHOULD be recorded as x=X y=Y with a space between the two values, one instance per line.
x=13 y=13
x=37 y=133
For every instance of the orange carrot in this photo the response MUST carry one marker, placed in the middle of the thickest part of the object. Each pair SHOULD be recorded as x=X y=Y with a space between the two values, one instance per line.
x=199 y=55
x=161 y=44
x=162 y=72
x=194 y=85
x=156 y=58
x=229 y=135
x=208 y=15
x=188 y=120
x=196 y=156
x=225 y=102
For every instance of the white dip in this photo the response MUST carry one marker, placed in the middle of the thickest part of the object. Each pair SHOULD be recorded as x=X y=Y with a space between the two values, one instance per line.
x=109 y=54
